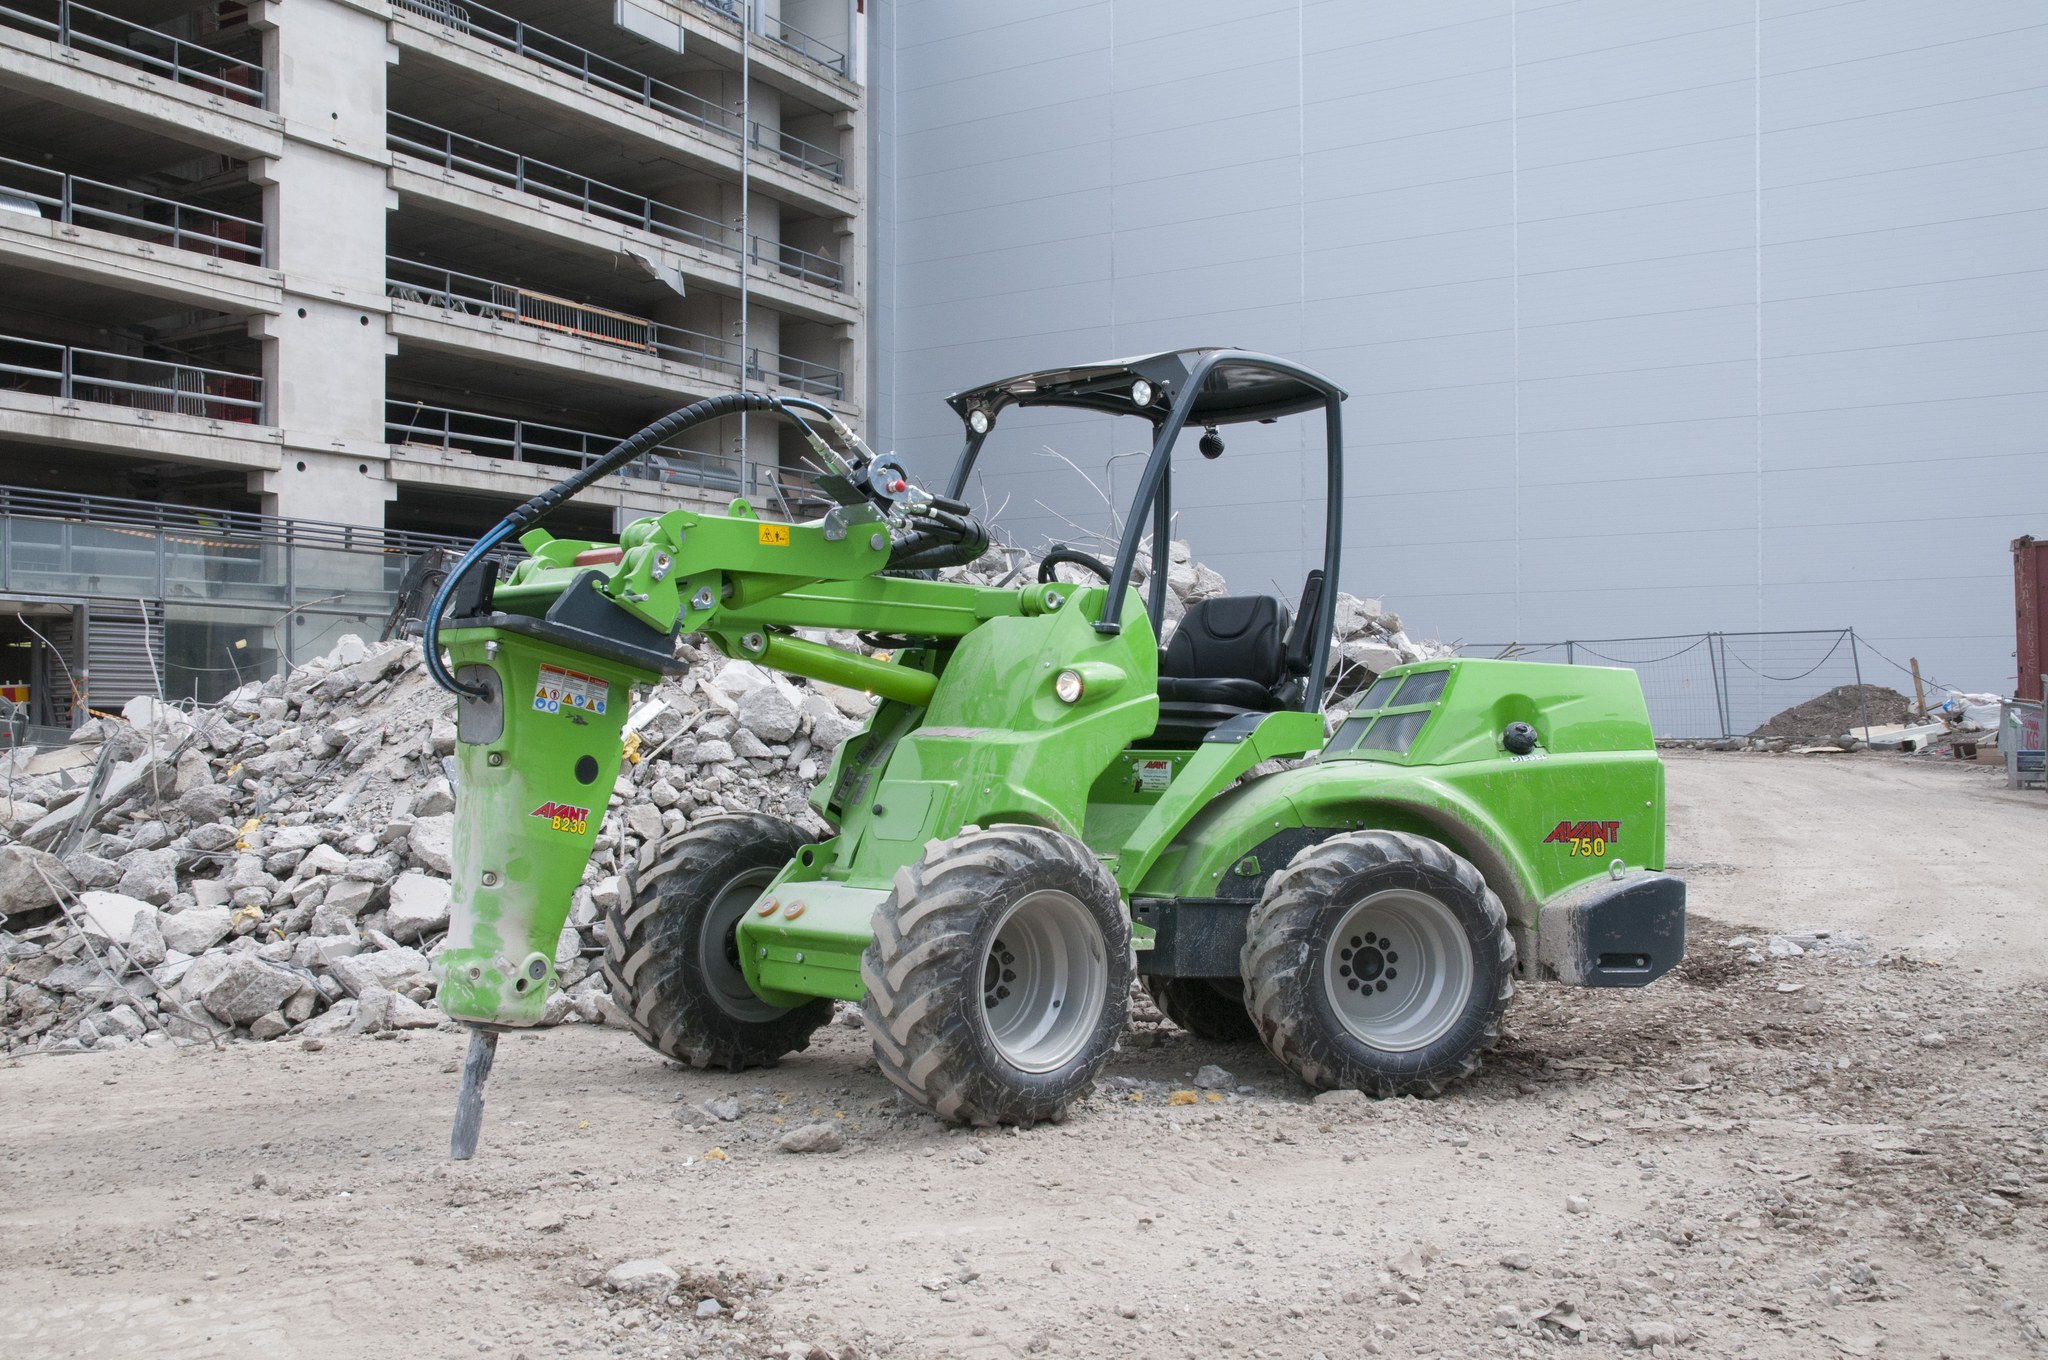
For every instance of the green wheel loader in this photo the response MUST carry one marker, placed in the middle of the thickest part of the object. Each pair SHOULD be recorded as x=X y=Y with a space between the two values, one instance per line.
x=1044 y=803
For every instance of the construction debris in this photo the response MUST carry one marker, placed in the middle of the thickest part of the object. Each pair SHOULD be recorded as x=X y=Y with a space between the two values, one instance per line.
x=276 y=864
x=1837 y=712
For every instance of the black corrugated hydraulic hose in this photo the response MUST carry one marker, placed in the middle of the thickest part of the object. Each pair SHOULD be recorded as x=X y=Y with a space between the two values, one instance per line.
x=529 y=514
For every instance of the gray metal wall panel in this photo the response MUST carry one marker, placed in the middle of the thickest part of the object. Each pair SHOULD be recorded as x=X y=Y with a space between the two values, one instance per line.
x=1656 y=317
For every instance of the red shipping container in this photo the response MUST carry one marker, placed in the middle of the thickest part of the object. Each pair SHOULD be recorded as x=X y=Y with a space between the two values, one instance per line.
x=2030 y=601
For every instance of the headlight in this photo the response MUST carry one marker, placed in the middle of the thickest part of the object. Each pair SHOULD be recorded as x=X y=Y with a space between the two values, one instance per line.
x=1067 y=684
x=977 y=421
x=1141 y=393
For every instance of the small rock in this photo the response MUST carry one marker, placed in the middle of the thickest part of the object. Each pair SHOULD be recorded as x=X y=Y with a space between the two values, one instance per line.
x=1577 y=1204
x=1933 y=1040
x=249 y=989
x=1342 y=1099
x=769 y=714
x=725 y=1109
x=436 y=798
x=151 y=875
x=1127 y=1310
x=433 y=843
x=270 y=1025
x=642 y=1276
x=1213 y=1078
x=1507 y=1315
x=1643 y=1335
x=419 y=905
x=812 y=1137
x=708 y=1308
x=27 y=876
x=196 y=929
x=1517 y=1260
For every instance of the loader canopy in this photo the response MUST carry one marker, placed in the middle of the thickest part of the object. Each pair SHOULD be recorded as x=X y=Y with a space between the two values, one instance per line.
x=1231 y=655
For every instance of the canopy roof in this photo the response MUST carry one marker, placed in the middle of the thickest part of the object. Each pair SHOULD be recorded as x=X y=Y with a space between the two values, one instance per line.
x=1241 y=387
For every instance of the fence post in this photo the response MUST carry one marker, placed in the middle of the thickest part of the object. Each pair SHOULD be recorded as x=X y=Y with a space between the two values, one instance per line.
x=1862 y=700
x=1717 y=663
x=1569 y=658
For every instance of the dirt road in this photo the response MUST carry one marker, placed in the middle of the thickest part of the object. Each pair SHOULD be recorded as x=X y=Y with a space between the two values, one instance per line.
x=1839 y=1153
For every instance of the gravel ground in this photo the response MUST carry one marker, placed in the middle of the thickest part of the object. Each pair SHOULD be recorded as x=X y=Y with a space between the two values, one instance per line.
x=1834 y=1152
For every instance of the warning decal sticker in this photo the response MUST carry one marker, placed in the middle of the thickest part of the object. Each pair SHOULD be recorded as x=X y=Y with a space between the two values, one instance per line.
x=558 y=689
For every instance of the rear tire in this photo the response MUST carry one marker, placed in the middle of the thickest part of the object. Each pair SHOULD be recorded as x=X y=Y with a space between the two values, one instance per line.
x=1208 y=1008
x=671 y=957
x=1379 y=961
x=999 y=979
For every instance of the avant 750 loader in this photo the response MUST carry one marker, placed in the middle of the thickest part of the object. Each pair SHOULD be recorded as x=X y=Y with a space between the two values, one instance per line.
x=1044 y=802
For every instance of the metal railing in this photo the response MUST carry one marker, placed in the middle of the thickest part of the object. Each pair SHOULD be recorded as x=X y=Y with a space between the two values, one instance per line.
x=801 y=375
x=798 y=152
x=75 y=374
x=792 y=492
x=594 y=71
x=285 y=586
x=185 y=63
x=210 y=525
x=77 y=201
x=487 y=298
x=803 y=44
x=468 y=156
x=807 y=265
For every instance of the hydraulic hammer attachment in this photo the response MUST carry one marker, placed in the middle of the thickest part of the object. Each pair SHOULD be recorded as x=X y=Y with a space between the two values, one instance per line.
x=538 y=752
x=538 y=757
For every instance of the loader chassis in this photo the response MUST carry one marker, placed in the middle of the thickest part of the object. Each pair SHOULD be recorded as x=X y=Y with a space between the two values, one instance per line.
x=1060 y=800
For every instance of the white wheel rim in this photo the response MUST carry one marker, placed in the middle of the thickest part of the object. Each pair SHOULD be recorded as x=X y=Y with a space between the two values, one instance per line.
x=1044 y=977
x=1398 y=970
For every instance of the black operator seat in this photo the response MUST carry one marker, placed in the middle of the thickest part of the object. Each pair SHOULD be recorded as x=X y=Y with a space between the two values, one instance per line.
x=1227 y=657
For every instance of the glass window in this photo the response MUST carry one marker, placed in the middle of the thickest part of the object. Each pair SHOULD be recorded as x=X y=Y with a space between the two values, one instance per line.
x=1381 y=691
x=1395 y=733
x=1346 y=736
x=1423 y=687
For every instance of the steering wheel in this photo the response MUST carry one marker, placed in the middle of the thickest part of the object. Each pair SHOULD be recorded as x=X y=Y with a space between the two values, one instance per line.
x=1059 y=553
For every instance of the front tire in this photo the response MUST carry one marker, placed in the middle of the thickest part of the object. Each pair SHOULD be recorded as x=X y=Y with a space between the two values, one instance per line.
x=1379 y=961
x=671 y=957
x=999 y=979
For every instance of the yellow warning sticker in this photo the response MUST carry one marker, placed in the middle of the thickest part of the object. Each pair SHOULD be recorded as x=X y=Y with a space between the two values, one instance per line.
x=775 y=535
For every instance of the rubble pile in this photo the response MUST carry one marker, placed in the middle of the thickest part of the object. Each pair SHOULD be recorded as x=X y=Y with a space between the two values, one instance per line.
x=277 y=864
x=1837 y=712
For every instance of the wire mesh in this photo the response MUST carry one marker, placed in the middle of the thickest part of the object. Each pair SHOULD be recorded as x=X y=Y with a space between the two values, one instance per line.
x=1711 y=684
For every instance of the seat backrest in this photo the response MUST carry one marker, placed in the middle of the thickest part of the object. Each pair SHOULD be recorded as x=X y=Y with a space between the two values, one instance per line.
x=1231 y=637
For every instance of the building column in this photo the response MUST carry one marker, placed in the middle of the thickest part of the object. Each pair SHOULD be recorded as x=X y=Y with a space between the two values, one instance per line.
x=324 y=208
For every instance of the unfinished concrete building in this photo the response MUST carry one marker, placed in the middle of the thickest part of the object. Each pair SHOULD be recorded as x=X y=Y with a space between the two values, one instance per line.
x=289 y=291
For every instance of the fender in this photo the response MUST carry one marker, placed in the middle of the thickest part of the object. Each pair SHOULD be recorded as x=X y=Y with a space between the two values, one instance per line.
x=1334 y=797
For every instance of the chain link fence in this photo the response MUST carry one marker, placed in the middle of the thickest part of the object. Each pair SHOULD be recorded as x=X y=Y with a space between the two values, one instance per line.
x=1712 y=684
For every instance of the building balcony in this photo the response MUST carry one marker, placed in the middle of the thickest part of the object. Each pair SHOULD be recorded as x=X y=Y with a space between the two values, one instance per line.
x=448 y=310
x=232 y=68
x=470 y=55
x=67 y=395
x=507 y=191
x=448 y=447
x=215 y=95
x=118 y=237
x=786 y=55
